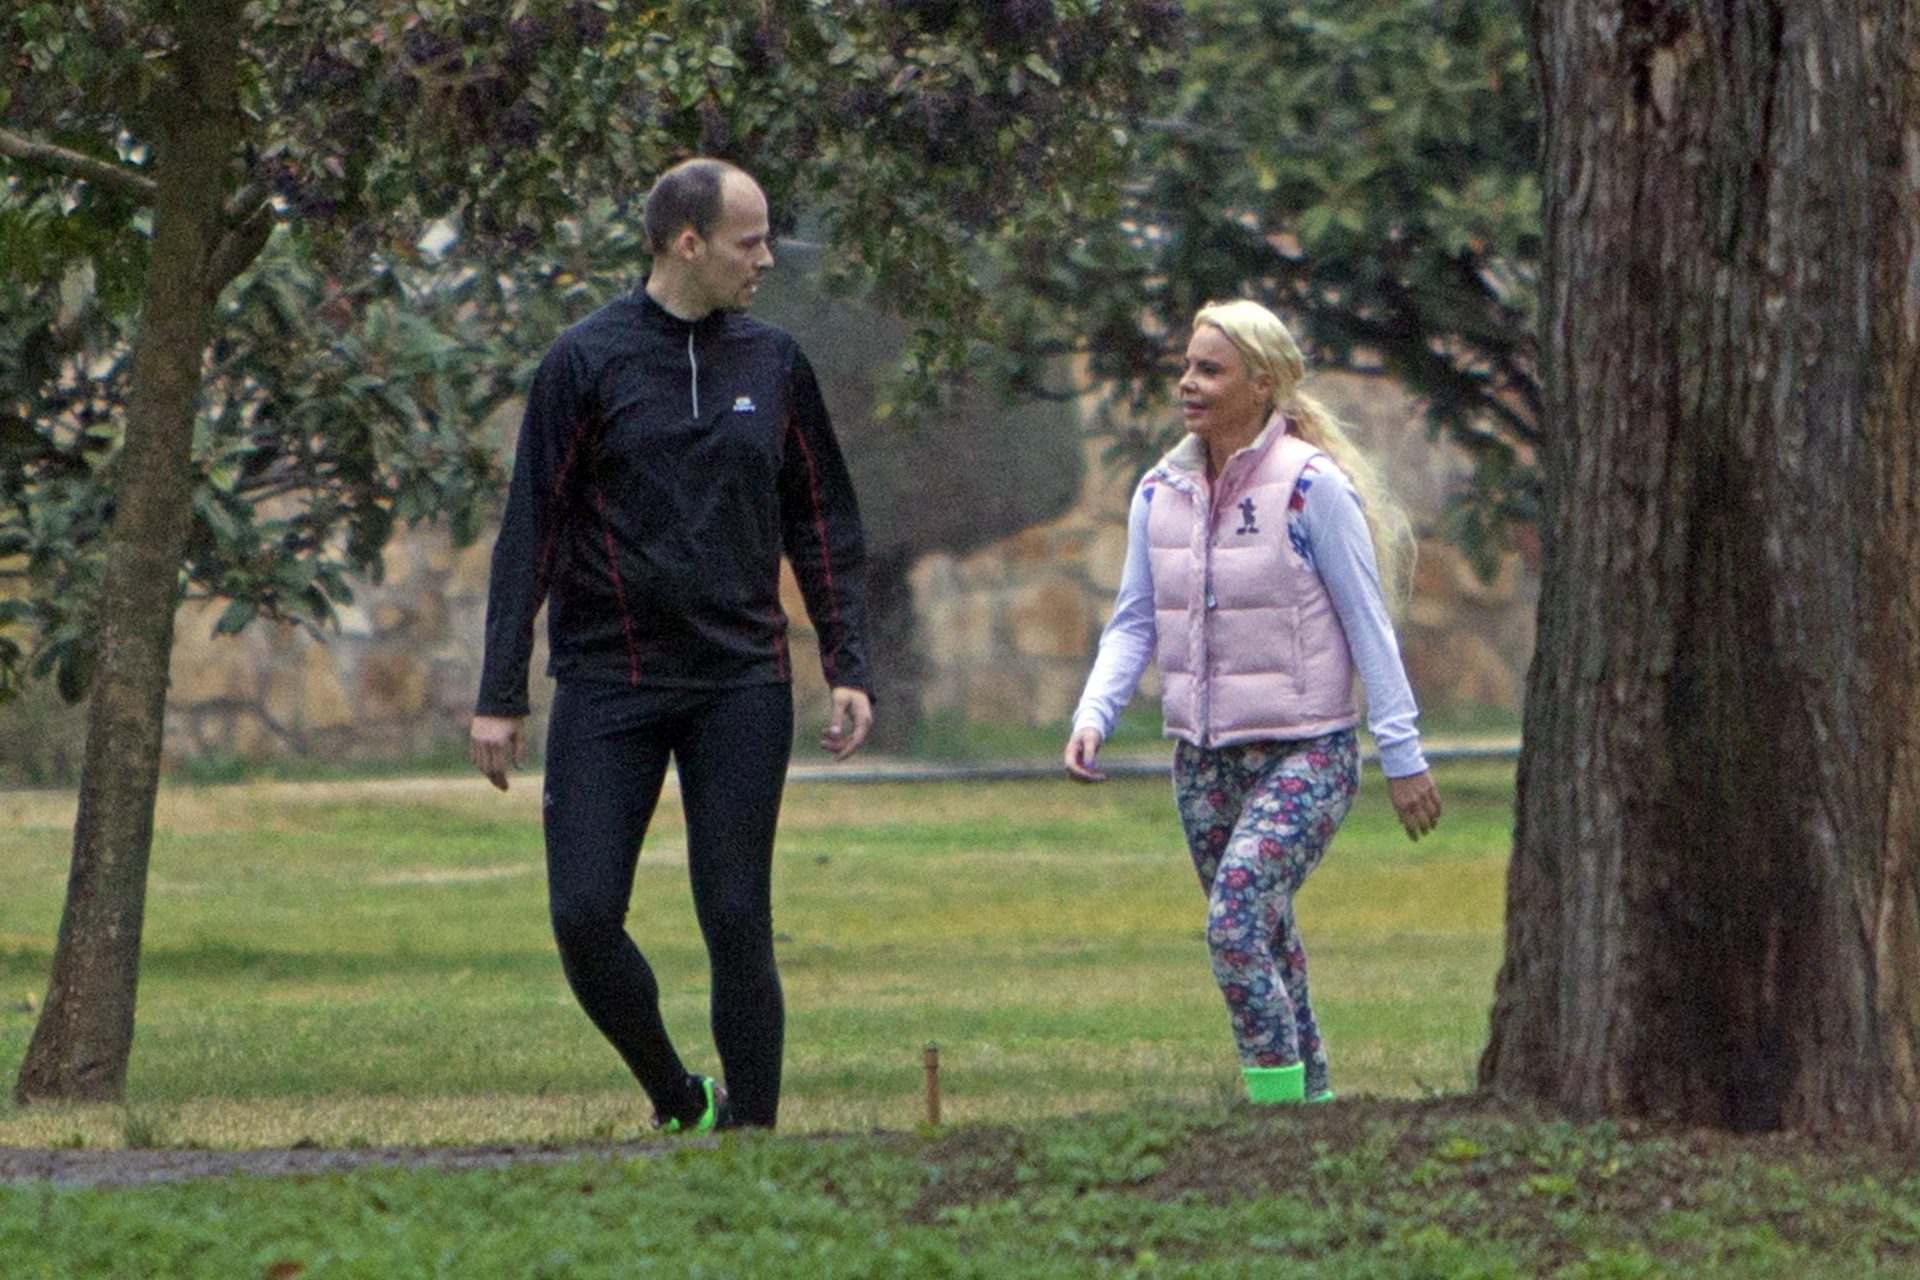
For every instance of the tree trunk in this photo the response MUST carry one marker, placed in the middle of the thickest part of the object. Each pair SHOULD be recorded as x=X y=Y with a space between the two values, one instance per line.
x=1712 y=913
x=81 y=1043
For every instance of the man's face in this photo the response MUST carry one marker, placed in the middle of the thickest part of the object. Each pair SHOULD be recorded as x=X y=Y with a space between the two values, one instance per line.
x=729 y=262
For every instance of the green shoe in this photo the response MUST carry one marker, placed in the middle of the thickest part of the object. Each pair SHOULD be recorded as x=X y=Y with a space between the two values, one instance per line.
x=1276 y=1084
x=1325 y=1095
x=715 y=1113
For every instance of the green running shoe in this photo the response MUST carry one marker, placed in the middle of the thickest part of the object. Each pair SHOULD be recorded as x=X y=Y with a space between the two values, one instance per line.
x=1275 y=1084
x=715 y=1114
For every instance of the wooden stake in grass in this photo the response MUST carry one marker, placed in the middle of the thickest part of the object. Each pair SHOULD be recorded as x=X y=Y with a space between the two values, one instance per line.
x=930 y=1056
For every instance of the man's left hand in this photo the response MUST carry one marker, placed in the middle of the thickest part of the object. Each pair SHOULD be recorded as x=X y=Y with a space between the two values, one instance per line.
x=852 y=719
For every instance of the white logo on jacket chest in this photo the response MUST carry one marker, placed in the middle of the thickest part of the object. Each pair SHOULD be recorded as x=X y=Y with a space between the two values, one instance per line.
x=743 y=404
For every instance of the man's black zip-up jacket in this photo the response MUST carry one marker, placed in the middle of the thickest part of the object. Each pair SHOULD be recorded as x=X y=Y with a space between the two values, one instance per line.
x=663 y=467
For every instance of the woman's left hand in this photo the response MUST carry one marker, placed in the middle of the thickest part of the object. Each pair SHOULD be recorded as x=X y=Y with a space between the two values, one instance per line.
x=1416 y=801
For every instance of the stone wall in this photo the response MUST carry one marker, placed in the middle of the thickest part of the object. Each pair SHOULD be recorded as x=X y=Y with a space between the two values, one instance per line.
x=395 y=682
x=1009 y=631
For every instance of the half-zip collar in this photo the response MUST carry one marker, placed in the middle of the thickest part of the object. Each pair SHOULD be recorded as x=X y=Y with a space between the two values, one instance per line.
x=693 y=372
x=658 y=318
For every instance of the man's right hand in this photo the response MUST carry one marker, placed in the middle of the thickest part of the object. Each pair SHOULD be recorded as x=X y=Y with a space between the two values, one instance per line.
x=497 y=744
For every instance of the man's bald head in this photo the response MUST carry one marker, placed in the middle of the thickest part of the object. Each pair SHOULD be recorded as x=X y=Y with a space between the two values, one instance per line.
x=688 y=195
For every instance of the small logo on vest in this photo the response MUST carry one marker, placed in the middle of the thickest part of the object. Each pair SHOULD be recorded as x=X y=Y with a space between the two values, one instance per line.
x=1246 y=516
x=743 y=404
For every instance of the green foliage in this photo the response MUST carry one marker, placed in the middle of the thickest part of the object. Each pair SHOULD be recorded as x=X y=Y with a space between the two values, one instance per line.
x=44 y=741
x=351 y=366
x=334 y=410
x=339 y=407
x=1370 y=171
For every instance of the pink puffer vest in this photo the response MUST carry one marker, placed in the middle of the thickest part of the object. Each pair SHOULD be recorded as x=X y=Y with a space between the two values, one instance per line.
x=1249 y=645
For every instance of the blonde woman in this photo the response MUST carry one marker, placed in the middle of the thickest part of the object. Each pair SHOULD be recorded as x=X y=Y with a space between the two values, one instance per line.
x=1256 y=553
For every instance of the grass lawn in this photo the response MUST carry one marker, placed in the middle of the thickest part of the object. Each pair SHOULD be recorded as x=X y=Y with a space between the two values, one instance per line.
x=369 y=962
x=1438 y=1190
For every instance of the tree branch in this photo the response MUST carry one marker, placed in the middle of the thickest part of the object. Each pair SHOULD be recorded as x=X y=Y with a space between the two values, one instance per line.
x=73 y=164
x=1048 y=395
x=238 y=248
x=247 y=202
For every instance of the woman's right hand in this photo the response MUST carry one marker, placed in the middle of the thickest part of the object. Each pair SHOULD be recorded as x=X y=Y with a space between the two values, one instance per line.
x=1416 y=801
x=1082 y=748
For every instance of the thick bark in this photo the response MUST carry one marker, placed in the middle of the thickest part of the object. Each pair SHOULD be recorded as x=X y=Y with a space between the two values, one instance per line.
x=81 y=1043
x=1712 y=906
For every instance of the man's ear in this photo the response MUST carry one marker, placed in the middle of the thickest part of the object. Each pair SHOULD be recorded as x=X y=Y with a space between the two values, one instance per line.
x=689 y=244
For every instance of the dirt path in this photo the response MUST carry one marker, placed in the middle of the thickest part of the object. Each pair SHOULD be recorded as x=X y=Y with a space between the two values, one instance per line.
x=31 y=1166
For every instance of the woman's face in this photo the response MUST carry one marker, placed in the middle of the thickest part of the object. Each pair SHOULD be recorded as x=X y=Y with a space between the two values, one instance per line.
x=1218 y=398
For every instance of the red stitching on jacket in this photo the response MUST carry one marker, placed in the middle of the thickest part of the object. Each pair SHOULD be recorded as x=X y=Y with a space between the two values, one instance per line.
x=545 y=563
x=779 y=641
x=619 y=588
x=820 y=532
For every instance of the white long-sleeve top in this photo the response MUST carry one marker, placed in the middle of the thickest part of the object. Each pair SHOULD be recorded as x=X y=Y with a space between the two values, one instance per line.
x=1329 y=530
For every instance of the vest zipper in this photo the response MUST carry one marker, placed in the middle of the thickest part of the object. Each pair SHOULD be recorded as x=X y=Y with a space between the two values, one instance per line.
x=1203 y=676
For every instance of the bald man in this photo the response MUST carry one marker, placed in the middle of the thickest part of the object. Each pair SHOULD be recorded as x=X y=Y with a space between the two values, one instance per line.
x=673 y=450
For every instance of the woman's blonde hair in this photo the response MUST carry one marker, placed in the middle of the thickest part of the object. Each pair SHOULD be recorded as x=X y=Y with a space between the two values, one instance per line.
x=1263 y=341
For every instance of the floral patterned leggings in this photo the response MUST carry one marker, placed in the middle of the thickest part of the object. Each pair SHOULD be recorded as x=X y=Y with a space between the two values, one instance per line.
x=1258 y=817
